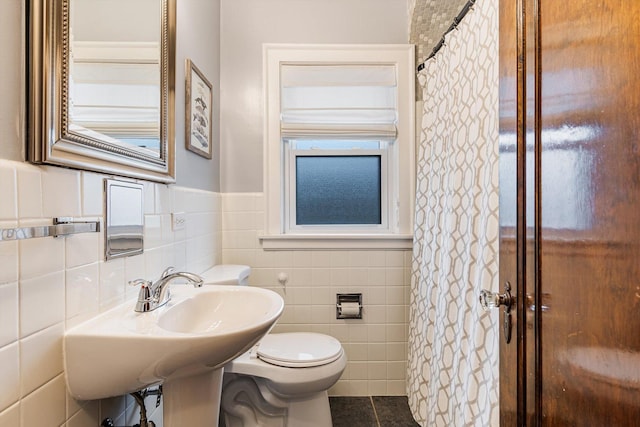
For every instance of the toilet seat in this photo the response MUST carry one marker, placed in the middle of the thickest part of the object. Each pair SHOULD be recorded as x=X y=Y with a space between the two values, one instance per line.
x=298 y=349
x=290 y=382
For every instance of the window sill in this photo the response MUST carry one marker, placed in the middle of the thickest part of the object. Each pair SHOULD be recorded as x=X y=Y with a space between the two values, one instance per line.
x=281 y=242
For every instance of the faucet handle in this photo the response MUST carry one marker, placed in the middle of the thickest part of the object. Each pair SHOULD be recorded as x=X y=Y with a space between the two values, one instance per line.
x=142 y=282
x=145 y=299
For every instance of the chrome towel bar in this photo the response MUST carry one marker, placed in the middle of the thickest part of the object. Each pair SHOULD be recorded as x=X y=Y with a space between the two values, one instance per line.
x=62 y=226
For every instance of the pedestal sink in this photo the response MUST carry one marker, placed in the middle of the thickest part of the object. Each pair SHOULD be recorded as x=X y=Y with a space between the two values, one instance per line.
x=183 y=345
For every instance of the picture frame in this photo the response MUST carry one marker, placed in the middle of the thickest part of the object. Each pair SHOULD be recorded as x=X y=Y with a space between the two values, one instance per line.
x=198 y=112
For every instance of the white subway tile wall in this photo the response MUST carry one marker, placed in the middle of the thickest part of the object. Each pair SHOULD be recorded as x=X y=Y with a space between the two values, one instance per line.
x=48 y=285
x=376 y=346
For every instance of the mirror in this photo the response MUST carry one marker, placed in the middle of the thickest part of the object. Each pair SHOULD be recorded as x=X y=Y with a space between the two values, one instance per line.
x=101 y=86
x=124 y=218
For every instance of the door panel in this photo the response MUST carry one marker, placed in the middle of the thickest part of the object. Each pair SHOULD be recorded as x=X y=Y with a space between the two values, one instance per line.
x=531 y=212
x=509 y=193
x=570 y=224
x=590 y=213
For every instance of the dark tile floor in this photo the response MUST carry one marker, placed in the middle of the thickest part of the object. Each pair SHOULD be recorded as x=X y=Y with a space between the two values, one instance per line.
x=374 y=411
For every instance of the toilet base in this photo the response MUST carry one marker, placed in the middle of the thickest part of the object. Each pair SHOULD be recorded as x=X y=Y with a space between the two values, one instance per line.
x=248 y=401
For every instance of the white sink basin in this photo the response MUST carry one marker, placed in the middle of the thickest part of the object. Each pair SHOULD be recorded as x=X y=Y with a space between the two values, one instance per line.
x=199 y=330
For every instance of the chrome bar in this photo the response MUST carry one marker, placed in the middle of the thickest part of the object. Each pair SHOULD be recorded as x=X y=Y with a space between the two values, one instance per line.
x=62 y=226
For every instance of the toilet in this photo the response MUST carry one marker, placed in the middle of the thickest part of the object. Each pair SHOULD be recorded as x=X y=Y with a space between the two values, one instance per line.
x=283 y=380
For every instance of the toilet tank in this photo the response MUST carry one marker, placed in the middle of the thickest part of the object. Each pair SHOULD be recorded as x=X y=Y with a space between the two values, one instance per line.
x=227 y=274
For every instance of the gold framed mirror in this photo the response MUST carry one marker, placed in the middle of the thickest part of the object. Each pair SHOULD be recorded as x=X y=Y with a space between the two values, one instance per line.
x=101 y=86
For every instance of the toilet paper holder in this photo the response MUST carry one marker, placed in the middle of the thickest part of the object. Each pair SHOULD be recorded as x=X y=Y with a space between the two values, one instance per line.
x=348 y=306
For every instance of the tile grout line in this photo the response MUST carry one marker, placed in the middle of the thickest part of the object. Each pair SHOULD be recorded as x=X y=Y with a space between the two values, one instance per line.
x=375 y=413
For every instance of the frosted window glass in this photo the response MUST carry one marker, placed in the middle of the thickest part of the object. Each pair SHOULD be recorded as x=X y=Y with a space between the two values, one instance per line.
x=333 y=190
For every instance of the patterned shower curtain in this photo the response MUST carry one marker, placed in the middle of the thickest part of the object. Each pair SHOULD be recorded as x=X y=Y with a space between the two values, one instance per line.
x=453 y=344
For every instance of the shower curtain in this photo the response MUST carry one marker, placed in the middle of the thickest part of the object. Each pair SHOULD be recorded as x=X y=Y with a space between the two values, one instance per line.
x=453 y=344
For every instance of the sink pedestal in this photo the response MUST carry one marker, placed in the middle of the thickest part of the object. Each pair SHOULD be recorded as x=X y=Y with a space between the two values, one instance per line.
x=192 y=400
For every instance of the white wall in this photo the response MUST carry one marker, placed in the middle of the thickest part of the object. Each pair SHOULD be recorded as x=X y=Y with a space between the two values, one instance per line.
x=198 y=36
x=376 y=345
x=198 y=39
x=48 y=285
x=245 y=26
x=40 y=280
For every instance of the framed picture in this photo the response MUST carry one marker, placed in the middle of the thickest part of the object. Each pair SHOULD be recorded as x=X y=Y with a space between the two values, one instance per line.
x=198 y=119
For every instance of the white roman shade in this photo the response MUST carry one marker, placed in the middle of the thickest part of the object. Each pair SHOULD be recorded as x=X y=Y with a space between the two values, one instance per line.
x=114 y=88
x=332 y=101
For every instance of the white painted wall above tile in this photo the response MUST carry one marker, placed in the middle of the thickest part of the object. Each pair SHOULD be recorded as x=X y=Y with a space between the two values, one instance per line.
x=245 y=26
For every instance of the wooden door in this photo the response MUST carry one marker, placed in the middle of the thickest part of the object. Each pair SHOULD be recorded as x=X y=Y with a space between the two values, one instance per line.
x=570 y=211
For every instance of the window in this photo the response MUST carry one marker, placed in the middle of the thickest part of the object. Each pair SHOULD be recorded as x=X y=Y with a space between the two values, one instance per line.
x=336 y=186
x=339 y=146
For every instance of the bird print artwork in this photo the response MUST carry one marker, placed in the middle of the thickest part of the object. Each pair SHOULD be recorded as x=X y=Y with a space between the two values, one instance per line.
x=200 y=126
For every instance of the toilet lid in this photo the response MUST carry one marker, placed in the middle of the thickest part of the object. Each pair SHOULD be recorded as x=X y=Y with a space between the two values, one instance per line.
x=299 y=349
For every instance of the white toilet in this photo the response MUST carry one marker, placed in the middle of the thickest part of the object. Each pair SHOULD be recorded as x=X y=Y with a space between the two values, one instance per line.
x=283 y=380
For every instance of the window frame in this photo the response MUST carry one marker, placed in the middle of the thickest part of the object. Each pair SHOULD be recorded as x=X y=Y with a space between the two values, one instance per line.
x=400 y=197
x=386 y=184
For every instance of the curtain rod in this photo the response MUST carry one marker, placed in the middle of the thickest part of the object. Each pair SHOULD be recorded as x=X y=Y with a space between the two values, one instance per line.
x=454 y=24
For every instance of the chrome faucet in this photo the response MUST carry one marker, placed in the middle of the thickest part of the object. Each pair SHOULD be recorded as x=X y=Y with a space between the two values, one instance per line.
x=153 y=295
